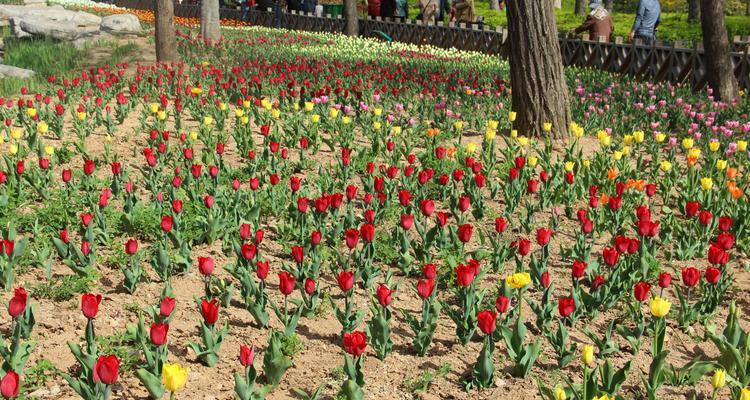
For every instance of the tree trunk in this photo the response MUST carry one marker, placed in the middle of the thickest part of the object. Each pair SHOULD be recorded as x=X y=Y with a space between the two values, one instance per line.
x=166 y=43
x=210 y=26
x=747 y=10
x=610 y=5
x=539 y=90
x=352 y=19
x=580 y=7
x=495 y=5
x=694 y=10
x=716 y=52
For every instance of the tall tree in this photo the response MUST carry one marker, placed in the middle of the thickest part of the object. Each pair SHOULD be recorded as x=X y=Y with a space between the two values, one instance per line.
x=210 y=21
x=540 y=93
x=352 y=19
x=166 y=42
x=694 y=10
x=716 y=50
x=580 y=8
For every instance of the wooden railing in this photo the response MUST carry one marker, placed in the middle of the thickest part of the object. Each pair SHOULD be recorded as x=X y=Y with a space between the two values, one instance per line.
x=675 y=62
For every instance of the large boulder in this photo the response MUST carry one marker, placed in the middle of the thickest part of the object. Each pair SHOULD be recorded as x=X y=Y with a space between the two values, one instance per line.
x=121 y=24
x=9 y=71
x=53 y=22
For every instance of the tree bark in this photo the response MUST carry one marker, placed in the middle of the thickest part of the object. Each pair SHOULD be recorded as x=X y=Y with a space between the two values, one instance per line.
x=609 y=5
x=210 y=22
x=352 y=19
x=580 y=7
x=716 y=52
x=694 y=10
x=539 y=89
x=166 y=42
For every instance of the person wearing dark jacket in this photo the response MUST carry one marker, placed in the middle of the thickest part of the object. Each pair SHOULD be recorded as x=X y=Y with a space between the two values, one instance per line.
x=264 y=5
x=598 y=23
x=387 y=8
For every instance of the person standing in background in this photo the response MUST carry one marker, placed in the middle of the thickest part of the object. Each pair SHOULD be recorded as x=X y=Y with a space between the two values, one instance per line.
x=402 y=9
x=647 y=19
x=598 y=23
x=387 y=8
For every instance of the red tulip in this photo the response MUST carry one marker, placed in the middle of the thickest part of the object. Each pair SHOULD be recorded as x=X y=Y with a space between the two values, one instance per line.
x=691 y=208
x=427 y=207
x=248 y=251
x=298 y=254
x=90 y=305
x=725 y=240
x=598 y=281
x=648 y=228
x=131 y=247
x=501 y=304
x=641 y=291
x=665 y=279
x=88 y=167
x=725 y=223
x=465 y=275
x=407 y=221
x=17 y=304
x=261 y=270
x=158 y=333
x=429 y=271
x=10 y=385
x=519 y=162
x=210 y=311
x=500 y=225
x=404 y=197
x=206 y=265
x=287 y=282
x=166 y=223
x=524 y=247
x=367 y=232
x=245 y=230
x=717 y=255
x=486 y=321
x=610 y=255
x=566 y=306
x=309 y=286
x=315 y=238
x=543 y=236
x=712 y=275
x=247 y=355
x=578 y=269
x=425 y=287
x=107 y=369
x=464 y=202
x=345 y=280
x=355 y=343
x=643 y=213
x=166 y=306
x=532 y=186
x=441 y=218
x=544 y=279
x=86 y=219
x=615 y=203
x=690 y=276
x=67 y=175
x=465 y=232
x=705 y=217
x=384 y=295
x=352 y=237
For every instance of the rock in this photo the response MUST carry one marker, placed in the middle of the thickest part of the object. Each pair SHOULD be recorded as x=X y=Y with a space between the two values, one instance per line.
x=9 y=71
x=55 y=22
x=35 y=3
x=121 y=24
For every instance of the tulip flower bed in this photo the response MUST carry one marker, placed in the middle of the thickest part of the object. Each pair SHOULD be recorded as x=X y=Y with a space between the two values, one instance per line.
x=306 y=215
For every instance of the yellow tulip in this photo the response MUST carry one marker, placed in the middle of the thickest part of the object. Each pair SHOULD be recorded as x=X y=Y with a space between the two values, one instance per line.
x=569 y=165
x=707 y=183
x=16 y=133
x=174 y=376
x=275 y=113
x=346 y=120
x=547 y=126
x=458 y=125
x=721 y=164
x=81 y=116
x=196 y=90
x=531 y=161
x=108 y=139
x=315 y=118
x=576 y=130
x=223 y=106
x=694 y=153
x=49 y=150
x=660 y=307
x=492 y=124
x=471 y=148
x=560 y=394
x=309 y=106
x=13 y=150
x=627 y=139
x=719 y=379
x=396 y=130
x=378 y=112
x=660 y=137
x=161 y=115
x=376 y=125
x=193 y=135
x=617 y=155
x=523 y=141
x=208 y=120
x=238 y=112
x=638 y=136
x=31 y=112
x=741 y=145
x=512 y=116
x=245 y=120
x=490 y=135
x=626 y=150
x=714 y=146
x=153 y=107
x=666 y=166
x=42 y=127
x=587 y=355
x=586 y=163
x=687 y=143
x=519 y=280
x=745 y=394
x=333 y=113
x=266 y=104
x=514 y=133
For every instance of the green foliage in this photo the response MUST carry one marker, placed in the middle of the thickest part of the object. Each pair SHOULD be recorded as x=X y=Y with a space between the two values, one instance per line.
x=124 y=346
x=291 y=345
x=38 y=375
x=64 y=287
x=421 y=383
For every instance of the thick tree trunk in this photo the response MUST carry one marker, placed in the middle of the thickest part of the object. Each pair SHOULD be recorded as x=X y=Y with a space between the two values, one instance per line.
x=166 y=43
x=694 y=10
x=495 y=5
x=352 y=19
x=609 y=5
x=580 y=7
x=210 y=24
x=539 y=90
x=716 y=46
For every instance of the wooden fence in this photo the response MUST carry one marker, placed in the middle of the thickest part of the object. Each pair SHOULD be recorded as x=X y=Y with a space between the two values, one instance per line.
x=675 y=62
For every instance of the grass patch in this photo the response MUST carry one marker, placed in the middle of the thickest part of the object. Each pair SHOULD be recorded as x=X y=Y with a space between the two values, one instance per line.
x=63 y=288
x=121 y=344
x=38 y=375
